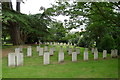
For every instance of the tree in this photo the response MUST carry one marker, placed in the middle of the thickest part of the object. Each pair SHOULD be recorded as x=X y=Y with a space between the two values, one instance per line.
x=22 y=27
x=14 y=29
x=101 y=19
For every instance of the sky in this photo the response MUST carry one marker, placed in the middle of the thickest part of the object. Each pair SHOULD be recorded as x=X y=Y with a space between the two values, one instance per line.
x=33 y=6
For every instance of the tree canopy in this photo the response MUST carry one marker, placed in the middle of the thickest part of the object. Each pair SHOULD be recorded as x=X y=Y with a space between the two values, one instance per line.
x=100 y=21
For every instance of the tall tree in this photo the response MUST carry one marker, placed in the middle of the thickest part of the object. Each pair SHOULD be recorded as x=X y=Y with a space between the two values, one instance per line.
x=14 y=28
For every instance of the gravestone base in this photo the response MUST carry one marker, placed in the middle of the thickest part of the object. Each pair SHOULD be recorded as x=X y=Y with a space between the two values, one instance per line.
x=96 y=59
x=104 y=57
x=61 y=62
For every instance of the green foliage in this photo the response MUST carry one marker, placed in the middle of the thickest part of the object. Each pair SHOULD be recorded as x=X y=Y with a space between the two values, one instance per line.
x=107 y=43
x=57 y=32
x=30 y=25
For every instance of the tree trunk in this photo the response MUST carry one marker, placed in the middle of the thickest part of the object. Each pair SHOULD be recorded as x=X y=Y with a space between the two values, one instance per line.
x=15 y=33
x=18 y=6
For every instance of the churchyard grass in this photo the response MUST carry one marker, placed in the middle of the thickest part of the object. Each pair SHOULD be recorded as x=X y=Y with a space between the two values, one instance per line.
x=33 y=66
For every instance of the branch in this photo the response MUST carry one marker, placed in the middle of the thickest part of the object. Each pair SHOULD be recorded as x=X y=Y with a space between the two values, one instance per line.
x=102 y=14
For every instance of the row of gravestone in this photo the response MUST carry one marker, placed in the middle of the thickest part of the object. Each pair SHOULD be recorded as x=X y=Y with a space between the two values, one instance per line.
x=16 y=59
x=58 y=43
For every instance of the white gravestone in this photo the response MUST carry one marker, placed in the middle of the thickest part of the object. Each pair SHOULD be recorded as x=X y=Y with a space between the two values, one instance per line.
x=61 y=57
x=78 y=50
x=116 y=52
x=95 y=54
x=46 y=48
x=21 y=48
x=54 y=48
x=104 y=54
x=86 y=54
x=112 y=53
x=37 y=48
x=51 y=52
x=61 y=49
x=11 y=59
x=70 y=51
x=92 y=50
x=46 y=58
x=74 y=49
x=67 y=48
x=17 y=50
x=29 y=51
x=75 y=44
x=50 y=43
x=68 y=44
x=19 y=58
x=74 y=56
x=41 y=52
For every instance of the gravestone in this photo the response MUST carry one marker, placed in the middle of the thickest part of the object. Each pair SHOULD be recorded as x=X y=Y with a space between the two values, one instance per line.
x=74 y=49
x=11 y=59
x=70 y=51
x=112 y=53
x=61 y=44
x=74 y=56
x=50 y=43
x=37 y=48
x=29 y=51
x=68 y=44
x=86 y=54
x=17 y=50
x=61 y=56
x=74 y=44
x=40 y=51
x=46 y=58
x=64 y=44
x=19 y=58
x=78 y=50
x=51 y=52
x=61 y=49
x=67 y=48
x=116 y=52
x=104 y=54
x=92 y=50
x=46 y=48
x=21 y=48
x=95 y=54
x=53 y=48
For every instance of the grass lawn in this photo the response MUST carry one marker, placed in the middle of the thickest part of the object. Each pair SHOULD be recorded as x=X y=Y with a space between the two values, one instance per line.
x=33 y=67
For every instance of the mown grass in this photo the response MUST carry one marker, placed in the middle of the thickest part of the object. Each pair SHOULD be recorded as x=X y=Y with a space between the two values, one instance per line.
x=33 y=67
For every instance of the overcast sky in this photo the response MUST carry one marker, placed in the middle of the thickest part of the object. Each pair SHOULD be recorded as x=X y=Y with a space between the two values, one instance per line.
x=33 y=6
